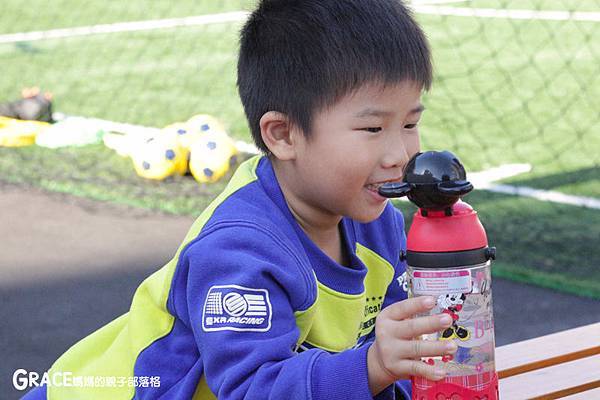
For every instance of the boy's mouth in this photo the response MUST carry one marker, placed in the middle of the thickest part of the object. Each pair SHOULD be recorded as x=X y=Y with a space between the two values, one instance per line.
x=374 y=187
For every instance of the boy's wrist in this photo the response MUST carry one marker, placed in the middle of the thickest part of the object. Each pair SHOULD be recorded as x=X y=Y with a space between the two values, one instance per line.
x=378 y=377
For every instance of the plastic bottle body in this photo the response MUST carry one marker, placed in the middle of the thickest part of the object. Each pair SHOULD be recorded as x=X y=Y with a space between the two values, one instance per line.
x=464 y=293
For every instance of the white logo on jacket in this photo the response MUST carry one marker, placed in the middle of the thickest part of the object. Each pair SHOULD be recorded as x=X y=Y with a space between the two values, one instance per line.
x=403 y=281
x=236 y=308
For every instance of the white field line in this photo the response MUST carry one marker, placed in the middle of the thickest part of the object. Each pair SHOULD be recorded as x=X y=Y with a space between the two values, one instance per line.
x=245 y=147
x=125 y=27
x=423 y=7
x=483 y=180
x=545 y=195
x=589 y=16
x=112 y=126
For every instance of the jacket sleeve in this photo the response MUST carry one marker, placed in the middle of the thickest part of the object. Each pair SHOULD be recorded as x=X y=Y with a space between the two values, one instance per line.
x=245 y=287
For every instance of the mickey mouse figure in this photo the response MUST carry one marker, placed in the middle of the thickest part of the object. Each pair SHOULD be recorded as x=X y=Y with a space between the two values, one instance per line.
x=451 y=304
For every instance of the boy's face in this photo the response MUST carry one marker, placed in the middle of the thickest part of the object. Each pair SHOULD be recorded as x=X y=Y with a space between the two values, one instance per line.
x=359 y=143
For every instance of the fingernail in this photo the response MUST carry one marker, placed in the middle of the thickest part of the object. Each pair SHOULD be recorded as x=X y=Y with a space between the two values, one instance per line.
x=439 y=373
x=429 y=302
x=451 y=347
x=445 y=319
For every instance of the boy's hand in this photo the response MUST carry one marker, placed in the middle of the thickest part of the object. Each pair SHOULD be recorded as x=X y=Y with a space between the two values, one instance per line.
x=396 y=353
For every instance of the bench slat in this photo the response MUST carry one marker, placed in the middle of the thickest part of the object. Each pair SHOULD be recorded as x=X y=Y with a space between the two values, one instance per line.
x=553 y=382
x=589 y=395
x=541 y=352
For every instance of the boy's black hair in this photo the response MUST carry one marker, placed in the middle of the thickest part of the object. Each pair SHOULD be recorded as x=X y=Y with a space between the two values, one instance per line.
x=298 y=56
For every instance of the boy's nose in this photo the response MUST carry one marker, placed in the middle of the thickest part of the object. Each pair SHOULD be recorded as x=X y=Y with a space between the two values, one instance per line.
x=396 y=156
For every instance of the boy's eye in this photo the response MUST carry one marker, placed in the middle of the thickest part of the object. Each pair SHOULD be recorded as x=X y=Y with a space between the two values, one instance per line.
x=410 y=126
x=372 y=130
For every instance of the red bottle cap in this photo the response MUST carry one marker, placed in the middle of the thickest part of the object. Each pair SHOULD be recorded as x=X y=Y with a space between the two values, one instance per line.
x=437 y=231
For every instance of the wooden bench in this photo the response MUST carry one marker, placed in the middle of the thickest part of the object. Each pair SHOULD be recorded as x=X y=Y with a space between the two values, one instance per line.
x=561 y=365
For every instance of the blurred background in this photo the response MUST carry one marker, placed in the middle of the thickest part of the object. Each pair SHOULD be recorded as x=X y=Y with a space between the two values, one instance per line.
x=516 y=92
x=516 y=97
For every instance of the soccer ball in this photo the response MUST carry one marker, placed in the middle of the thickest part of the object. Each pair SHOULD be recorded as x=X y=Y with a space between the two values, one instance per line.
x=195 y=127
x=212 y=155
x=182 y=132
x=205 y=123
x=159 y=157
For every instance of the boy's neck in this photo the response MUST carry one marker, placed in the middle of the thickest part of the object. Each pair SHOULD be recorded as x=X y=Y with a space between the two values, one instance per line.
x=321 y=227
x=330 y=241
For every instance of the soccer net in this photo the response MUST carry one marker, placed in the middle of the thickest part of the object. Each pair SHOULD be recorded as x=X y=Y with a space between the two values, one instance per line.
x=515 y=97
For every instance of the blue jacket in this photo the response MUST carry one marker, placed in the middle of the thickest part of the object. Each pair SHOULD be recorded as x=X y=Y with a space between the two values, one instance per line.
x=249 y=308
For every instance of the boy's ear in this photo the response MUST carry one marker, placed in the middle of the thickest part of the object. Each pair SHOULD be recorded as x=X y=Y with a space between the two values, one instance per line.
x=278 y=135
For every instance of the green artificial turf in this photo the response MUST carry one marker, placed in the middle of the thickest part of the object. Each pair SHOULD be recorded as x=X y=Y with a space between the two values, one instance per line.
x=546 y=244
x=96 y=172
x=505 y=91
x=541 y=5
x=39 y=15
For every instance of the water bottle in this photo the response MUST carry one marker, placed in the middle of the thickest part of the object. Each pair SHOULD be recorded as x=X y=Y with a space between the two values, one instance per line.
x=448 y=257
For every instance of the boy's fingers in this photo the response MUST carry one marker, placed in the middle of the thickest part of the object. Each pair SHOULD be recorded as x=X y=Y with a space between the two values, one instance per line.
x=419 y=368
x=407 y=308
x=426 y=348
x=410 y=328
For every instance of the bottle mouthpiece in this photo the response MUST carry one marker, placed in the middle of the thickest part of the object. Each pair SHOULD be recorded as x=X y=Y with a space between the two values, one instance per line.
x=432 y=180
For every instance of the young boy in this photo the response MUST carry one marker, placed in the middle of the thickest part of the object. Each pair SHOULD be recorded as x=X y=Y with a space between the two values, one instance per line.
x=287 y=286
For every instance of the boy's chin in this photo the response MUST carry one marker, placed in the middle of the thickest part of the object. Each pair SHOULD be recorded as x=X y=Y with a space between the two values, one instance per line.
x=365 y=217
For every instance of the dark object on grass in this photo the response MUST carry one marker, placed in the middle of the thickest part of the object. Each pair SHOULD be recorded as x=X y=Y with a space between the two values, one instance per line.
x=34 y=106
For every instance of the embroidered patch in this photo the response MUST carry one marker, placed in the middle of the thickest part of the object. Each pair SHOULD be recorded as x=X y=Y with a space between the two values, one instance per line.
x=236 y=308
